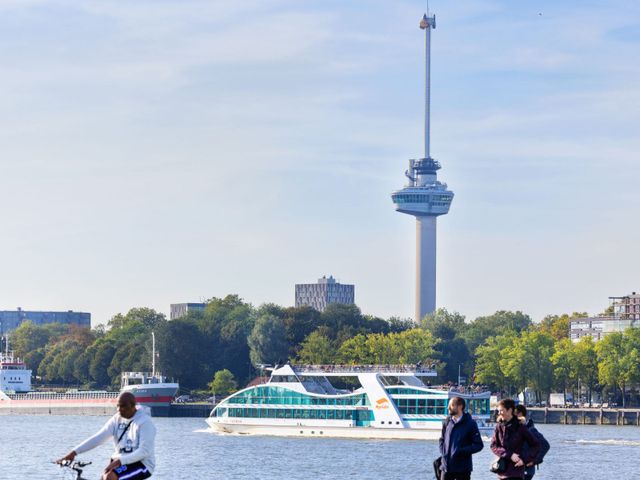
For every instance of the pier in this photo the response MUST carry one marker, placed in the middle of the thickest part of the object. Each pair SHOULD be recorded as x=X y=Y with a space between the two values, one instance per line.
x=585 y=416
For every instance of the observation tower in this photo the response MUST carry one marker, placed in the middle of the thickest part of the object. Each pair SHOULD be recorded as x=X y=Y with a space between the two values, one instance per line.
x=425 y=198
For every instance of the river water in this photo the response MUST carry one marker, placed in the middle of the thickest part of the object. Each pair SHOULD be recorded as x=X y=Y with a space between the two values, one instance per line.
x=185 y=449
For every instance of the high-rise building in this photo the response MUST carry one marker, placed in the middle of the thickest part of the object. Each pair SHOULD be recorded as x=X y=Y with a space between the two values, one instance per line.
x=178 y=310
x=11 y=319
x=326 y=291
x=425 y=198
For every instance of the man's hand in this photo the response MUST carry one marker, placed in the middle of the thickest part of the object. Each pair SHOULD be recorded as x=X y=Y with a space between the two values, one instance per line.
x=68 y=458
x=530 y=464
x=112 y=466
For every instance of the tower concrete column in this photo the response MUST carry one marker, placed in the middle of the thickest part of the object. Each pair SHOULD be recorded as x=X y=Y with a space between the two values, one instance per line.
x=426 y=234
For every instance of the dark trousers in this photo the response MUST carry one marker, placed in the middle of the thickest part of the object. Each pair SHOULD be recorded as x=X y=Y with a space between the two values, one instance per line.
x=455 y=475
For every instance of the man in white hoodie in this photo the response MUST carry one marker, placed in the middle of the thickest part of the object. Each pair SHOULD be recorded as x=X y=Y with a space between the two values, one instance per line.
x=133 y=437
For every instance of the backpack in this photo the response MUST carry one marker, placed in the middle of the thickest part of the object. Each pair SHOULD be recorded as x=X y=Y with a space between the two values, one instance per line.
x=544 y=445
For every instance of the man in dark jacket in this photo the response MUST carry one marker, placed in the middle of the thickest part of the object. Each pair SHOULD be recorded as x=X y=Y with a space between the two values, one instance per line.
x=459 y=440
x=508 y=442
x=530 y=468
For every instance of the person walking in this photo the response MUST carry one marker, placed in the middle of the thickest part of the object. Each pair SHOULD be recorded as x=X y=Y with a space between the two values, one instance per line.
x=459 y=440
x=530 y=468
x=133 y=436
x=508 y=442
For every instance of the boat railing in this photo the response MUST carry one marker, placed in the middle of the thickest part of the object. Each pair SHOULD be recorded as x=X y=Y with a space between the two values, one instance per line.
x=62 y=396
x=390 y=369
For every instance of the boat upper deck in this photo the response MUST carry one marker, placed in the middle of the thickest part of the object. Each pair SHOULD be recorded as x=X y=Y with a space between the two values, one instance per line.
x=355 y=370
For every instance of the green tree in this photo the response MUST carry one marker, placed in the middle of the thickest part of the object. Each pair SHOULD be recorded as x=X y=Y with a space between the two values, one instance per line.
x=223 y=383
x=147 y=317
x=586 y=360
x=299 y=322
x=186 y=353
x=444 y=325
x=447 y=329
x=630 y=361
x=317 y=349
x=609 y=352
x=29 y=341
x=558 y=325
x=489 y=360
x=226 y=323
x=482 y=328
x=268 y=341
x=100 y=362
x=397 y=324
x=408 y=347
x=539 y=348
x=564 y=361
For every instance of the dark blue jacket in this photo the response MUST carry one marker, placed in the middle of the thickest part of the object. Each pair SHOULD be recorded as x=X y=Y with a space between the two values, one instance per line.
x=459 y=440
x=544 y=447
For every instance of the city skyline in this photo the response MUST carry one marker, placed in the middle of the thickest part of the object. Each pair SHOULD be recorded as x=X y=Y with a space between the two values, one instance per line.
x=161 y=152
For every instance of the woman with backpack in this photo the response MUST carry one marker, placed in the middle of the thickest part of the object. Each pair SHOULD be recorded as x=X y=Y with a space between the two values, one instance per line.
x=508 y=443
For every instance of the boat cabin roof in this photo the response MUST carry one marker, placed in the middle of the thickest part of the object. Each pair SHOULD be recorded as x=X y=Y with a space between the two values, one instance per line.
x=354 y=370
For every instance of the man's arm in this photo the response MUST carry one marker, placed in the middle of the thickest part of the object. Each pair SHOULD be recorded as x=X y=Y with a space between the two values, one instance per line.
x=147 y=434
x=475 y=444
x=100 y=437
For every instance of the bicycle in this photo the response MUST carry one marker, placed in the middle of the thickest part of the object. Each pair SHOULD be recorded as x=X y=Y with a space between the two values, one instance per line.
x=76 y=466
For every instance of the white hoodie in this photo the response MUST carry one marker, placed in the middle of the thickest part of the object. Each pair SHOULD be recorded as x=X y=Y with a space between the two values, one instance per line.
x=137 y=444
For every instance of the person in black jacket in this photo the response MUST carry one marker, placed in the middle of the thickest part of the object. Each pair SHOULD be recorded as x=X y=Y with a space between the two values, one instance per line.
x=530 y=470
x=459 y=440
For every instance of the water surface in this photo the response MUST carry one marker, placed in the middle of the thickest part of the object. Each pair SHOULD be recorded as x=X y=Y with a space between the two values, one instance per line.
x=185 y=449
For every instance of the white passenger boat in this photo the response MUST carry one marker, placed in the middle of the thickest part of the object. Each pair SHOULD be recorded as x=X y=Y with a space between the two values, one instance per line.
x=387 y=402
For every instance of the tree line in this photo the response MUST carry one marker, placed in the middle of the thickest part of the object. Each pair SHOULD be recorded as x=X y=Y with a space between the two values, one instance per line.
x=506 y=350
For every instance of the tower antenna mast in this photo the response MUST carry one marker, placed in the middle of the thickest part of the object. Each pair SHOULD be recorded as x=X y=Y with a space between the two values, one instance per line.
x=427 y=23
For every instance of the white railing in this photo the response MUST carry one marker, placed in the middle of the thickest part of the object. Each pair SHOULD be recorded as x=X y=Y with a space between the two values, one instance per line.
x=390 y=369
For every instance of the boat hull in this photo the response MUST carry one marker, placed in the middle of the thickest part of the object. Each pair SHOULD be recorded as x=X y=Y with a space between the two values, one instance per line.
x=326 y=431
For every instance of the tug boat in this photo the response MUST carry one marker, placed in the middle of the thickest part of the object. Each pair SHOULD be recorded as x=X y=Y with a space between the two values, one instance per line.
x=386 y=402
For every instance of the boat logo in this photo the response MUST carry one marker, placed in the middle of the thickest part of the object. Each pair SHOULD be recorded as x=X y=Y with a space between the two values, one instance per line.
x=382 y=403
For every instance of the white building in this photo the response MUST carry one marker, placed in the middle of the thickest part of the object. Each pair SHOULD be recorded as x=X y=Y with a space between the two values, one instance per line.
x=625 y=313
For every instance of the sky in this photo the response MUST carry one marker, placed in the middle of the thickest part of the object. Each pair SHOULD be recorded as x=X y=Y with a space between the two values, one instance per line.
x=157 y=152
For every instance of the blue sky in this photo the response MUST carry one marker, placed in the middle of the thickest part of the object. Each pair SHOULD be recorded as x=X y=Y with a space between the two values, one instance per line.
x=155 y=152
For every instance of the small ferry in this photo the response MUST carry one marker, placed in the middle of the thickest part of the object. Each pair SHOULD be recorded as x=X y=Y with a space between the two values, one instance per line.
x=388 y=401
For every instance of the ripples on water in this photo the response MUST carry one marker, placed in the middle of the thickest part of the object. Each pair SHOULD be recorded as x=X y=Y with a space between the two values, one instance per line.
x=185 y=449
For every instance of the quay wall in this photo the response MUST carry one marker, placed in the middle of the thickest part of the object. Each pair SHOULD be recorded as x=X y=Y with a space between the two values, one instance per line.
x=586 y=416
x=95 y=410
x=174 y=410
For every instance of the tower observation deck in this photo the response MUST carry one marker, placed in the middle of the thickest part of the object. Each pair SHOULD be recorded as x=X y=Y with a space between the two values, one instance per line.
x=425 y=198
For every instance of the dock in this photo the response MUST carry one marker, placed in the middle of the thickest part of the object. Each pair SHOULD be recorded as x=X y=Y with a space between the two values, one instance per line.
x=585 y=416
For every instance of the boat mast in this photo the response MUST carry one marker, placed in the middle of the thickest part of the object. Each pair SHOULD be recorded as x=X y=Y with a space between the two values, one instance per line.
x=153 y=355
